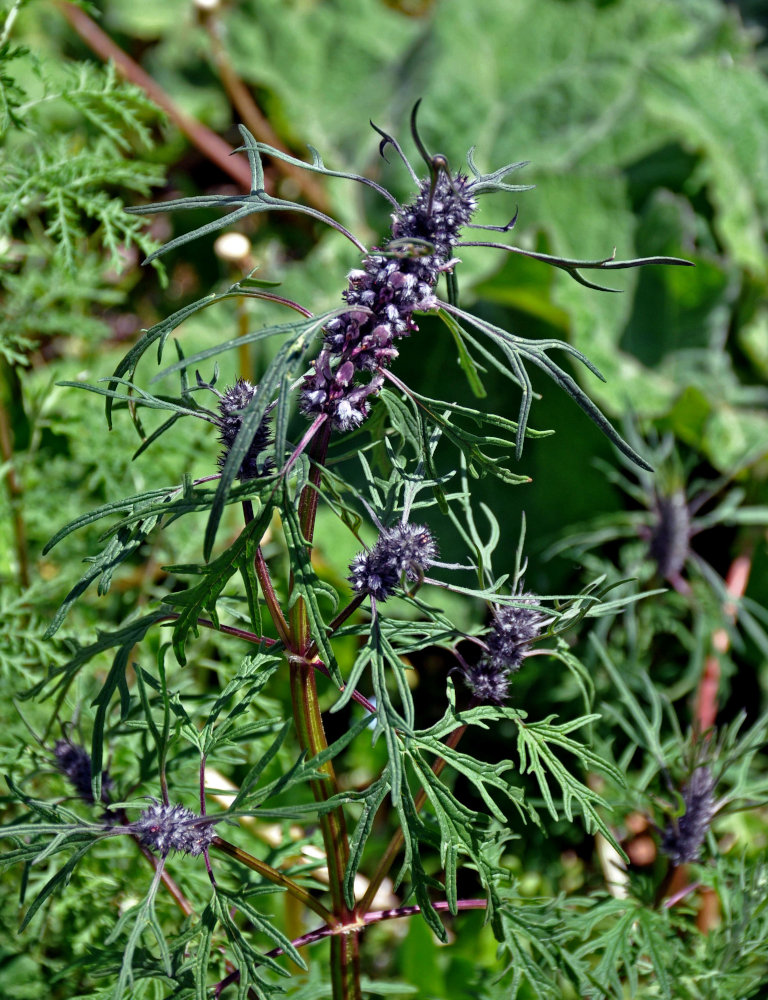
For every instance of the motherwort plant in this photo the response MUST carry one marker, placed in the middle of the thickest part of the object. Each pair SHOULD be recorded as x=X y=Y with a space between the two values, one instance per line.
x=329 y=424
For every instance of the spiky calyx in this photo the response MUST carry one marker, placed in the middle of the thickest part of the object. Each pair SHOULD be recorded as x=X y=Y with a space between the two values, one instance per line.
x=405 y=550
x=511 y=633
x=489 y=685
x=233 y=402
x=164 y=828
x=683 y=836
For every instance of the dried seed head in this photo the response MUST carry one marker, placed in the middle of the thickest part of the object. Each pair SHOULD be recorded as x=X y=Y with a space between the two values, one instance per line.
x=683 y=836
x=74 y=762
x=168 y=828
x=231 y=406
x=406 y=549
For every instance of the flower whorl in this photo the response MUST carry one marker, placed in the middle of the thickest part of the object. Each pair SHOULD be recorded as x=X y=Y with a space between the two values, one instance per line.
x=513 y=630
x=393 y=283
x=164 y=828
x=406 y=549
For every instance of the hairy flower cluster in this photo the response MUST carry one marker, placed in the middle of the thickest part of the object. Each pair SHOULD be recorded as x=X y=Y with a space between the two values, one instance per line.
x=394 y=282
x=683 y=836
x=74 y=762
x=512 y=632
x=406 y=549
x=164 y=828
x=231 y=406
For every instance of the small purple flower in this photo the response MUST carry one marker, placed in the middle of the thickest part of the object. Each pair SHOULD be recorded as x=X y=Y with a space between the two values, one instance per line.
x=512 y=631
x=406 y=549
x=683 y=837
x=165 y=828
x=232 y=403
x=74 y=762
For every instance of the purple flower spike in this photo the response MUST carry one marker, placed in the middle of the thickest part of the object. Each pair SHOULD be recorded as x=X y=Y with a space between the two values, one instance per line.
x=394 y=282
x=74 y=762
x=683 y=837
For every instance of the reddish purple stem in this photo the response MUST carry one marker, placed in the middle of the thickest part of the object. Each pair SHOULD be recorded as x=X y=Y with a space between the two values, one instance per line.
x=375 y=916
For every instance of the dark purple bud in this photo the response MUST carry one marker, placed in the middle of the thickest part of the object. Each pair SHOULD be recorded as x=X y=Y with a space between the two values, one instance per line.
x=233 y=402
x=74 y=762
x=345 y=373
x=668 y=545
x=169 y=828
x=683 y=837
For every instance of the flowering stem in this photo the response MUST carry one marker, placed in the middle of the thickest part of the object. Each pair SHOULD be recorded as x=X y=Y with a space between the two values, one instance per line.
x=273 y=875
x=345 y=971
x=395 y=844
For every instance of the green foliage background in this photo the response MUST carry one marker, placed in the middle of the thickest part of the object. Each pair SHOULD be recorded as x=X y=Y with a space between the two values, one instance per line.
x=644 y=122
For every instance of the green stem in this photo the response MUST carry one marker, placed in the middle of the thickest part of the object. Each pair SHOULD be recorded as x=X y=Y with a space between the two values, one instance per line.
x=345 y=973
x=276 y=877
